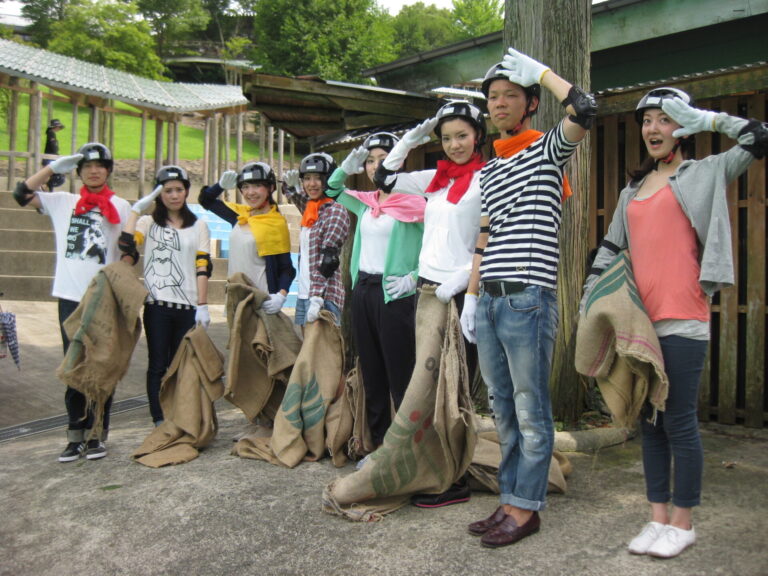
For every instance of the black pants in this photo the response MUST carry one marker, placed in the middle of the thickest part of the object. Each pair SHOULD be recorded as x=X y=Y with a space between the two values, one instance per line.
x=385 y=336
x=165 y=329
x=74 y=400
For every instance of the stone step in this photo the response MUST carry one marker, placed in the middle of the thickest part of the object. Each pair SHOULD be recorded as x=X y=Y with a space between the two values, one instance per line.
x=32 y=240
x=23 y=219
x=38 y=288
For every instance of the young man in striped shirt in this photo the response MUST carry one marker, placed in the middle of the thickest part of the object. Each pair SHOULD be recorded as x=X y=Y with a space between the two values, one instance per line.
x=514 y=319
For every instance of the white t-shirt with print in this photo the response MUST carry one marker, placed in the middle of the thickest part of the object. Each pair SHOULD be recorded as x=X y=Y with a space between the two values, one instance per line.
x=84 y=243
x=170 y=273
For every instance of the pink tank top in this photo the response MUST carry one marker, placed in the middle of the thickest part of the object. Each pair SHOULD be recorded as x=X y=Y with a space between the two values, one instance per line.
x=665 y=258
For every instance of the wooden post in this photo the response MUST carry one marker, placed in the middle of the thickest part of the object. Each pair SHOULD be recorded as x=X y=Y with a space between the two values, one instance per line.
x=143 y=153
x=225 y=140
x=73 y=140
x=158 y=144
x=239 y=156
x=754 y=373
x=271 y=139
x=207 y=152
x=93 y=123
x=33 y=130
x=215 y=147
x=176 y=132
x=262 y=136
x=280 y=152
x=13 y=116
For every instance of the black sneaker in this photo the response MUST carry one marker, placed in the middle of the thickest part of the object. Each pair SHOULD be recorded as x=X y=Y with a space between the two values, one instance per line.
x=458 y=492
x=95 y=449
x=72 y=452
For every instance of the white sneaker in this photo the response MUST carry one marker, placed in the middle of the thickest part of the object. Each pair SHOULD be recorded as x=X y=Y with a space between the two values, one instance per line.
x=647 y=536
x=671 y=542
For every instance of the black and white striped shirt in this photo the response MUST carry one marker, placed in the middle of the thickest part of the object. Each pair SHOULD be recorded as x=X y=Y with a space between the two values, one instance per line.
x=521 y=196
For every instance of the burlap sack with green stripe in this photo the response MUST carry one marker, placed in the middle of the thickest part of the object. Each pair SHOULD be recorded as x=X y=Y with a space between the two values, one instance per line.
x=431 y=440
x=316 y=381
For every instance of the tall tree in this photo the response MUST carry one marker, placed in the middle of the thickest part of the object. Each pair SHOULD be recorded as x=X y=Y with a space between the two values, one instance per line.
x=42 y=14
x=334 y=39
x=557 y=33
x=419 y=27
x=110 y=34
x=173 y=20
x=478 y=17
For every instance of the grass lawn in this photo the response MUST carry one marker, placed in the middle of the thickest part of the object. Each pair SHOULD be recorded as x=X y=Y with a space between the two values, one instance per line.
x=127 y=133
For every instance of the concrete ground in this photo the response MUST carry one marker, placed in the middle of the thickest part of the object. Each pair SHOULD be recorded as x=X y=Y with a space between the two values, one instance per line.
x=222 y=515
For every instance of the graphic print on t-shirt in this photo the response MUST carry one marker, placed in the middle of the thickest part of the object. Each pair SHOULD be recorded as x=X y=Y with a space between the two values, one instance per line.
x=85 y=238
x=162 y=270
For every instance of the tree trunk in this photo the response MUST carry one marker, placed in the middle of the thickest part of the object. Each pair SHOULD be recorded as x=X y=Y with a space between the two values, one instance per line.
x=558 y=34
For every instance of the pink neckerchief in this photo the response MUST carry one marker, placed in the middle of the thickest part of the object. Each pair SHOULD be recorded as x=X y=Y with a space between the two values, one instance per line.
x=402 y=207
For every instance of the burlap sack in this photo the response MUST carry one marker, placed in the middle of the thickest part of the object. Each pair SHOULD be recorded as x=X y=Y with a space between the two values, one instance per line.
x=193 y=382
x=432 y=437
x=617 y=345
x=315 y=382
x=262 y=350
x=103 y=332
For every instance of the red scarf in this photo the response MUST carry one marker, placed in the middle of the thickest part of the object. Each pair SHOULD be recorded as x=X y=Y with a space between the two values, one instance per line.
x=461 y=174
x=311 y=211
x=508 y=147
x=101 y=200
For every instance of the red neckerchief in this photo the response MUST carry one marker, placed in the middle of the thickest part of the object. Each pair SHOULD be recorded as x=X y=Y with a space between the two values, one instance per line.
x=461 y=174
x=508 y=147
x=311 y=211
x=101 y=200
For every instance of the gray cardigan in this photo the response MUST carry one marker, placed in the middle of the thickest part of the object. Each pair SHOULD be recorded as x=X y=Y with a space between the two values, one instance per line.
x=700 y=188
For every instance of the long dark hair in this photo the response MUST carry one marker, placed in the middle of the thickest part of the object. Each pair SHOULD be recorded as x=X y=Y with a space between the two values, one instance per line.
x=160 y=214
x=687 y=148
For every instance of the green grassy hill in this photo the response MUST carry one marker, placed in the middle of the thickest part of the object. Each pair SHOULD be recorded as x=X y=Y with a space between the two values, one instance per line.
x=127 y=133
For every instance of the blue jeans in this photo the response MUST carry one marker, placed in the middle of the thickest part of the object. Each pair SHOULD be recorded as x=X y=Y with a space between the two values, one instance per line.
x=302 y=305
x=515 y=340
x=675 y=434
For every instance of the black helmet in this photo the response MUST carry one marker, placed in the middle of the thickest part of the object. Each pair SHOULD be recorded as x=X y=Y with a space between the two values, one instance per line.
x=55 y=123
x=384 y=140
x=256 y=172
x=168 y=173
x=466 y=111
x=655 y=97
x=95 y=151
x=317 y=163
x=495 y=74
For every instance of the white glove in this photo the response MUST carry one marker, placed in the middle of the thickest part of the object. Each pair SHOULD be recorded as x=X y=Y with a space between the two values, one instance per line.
x=414 y=138
x=228 y=180
x=143 y=203
x=202 y=316
x=468 y=318
x=291 y=179
x=315 y=305
x=692 y=120
x=522 y=69
x=398 y=286
x=65 y=164
x=274 y=303
x=355 y=160
x=456 y=283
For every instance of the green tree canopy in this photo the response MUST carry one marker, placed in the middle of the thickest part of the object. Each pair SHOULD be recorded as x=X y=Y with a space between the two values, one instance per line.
x=173 y=20
x=334 y=39
x=110 y=34
x=478 y=17
x=42 y=14
x=419 y=28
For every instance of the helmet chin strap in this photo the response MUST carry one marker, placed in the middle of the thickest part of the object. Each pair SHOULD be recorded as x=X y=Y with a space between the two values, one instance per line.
x=669 y=157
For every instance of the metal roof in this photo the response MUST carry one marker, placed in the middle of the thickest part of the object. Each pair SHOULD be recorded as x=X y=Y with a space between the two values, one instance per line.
x=73 y=75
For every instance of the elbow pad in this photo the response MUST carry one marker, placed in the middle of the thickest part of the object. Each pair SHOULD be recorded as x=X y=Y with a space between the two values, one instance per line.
x=759 y=132
x=330 y=261
x=127 y=245
x=204 y=259
x=585 y=106
x=384 y=179
x=22 y=194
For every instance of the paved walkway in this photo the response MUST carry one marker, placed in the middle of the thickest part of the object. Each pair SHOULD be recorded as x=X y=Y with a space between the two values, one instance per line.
x=222 y=515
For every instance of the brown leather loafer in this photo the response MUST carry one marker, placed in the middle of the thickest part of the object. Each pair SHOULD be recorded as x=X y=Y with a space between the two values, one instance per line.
x=482 y=526
x=508 y=532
